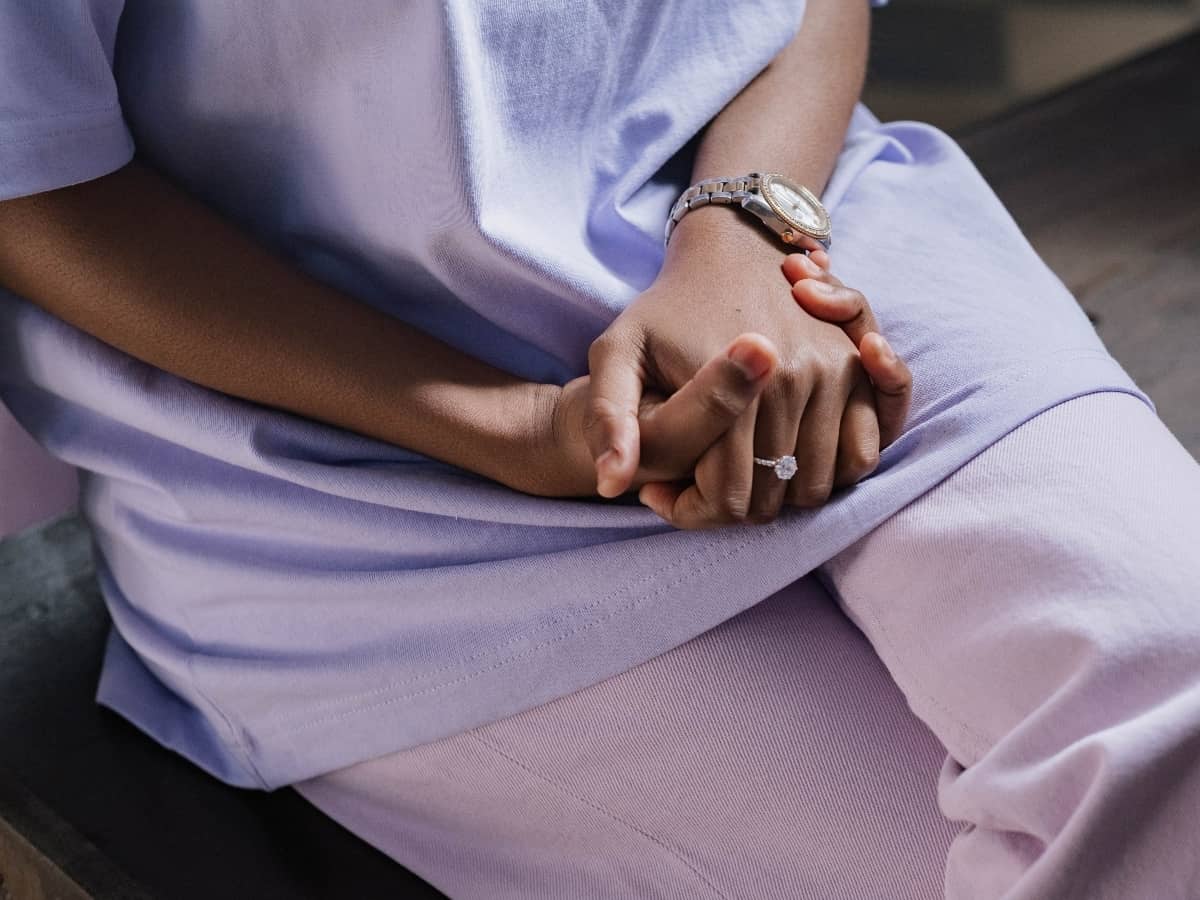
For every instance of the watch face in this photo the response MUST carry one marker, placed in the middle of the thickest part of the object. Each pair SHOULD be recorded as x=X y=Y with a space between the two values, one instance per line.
x=797 y=205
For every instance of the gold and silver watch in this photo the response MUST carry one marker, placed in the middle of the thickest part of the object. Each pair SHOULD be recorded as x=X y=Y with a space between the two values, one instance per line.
x=788 y=209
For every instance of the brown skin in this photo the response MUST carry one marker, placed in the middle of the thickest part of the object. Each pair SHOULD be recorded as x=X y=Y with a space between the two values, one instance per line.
x=720 y=278
x=698 y=504
x=136 y=262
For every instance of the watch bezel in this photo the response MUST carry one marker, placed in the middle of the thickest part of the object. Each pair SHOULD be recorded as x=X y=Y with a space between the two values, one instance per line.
x=764 y=189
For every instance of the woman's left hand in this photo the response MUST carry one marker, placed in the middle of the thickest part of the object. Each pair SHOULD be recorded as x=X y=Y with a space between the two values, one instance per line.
x=823 y=295
x=721 y=279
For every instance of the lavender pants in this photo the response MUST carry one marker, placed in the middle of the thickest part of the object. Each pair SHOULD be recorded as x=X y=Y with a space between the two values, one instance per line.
x=1018 y=717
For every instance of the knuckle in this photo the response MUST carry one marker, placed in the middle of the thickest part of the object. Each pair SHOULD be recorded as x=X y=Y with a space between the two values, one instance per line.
x=858 y=298
x=600 y=413
x=733 y=505
x=832 y=361
x=812 y=492
x=596 y=411
x=861 y=460
x=784 y=391
x=720 y=403
x=599 y=349
x=798 y=376
x=859 y=320
x=849 y=364
x=840 y=360
x=763 y=517
x=610 y=344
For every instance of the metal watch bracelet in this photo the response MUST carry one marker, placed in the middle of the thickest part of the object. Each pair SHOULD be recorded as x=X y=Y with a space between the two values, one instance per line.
x=724 y=191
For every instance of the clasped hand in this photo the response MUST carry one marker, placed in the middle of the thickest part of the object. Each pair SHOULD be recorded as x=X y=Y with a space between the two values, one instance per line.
x=717 y=364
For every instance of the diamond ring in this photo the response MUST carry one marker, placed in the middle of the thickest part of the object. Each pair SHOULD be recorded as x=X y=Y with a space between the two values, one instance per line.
x=785 y=466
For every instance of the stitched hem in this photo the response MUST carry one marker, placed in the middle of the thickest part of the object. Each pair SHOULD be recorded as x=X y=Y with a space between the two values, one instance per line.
x=38 y=162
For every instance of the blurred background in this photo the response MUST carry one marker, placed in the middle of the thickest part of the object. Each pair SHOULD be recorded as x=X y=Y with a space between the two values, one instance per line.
x=954 y=62
x=1084 y=117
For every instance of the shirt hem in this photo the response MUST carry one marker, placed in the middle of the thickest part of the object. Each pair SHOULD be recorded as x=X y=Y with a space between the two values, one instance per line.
x=282 y=753
x=67 y=155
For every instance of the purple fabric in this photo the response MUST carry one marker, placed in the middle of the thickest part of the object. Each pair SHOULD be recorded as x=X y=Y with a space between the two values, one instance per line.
x=33 y=485
x=290 y=598
x=773 y=756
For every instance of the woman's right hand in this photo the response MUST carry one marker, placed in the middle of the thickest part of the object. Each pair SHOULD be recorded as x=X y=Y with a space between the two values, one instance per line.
x=675 y=431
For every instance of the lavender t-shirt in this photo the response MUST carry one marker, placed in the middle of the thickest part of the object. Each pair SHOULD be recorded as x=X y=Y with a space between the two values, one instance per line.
x=288 y=597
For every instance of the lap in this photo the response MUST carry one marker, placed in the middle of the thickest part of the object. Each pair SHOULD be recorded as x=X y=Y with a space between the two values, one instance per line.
x=769 y=757
x=773 y=755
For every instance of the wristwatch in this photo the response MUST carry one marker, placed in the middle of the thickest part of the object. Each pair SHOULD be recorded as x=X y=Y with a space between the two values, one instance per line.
x=787 y=208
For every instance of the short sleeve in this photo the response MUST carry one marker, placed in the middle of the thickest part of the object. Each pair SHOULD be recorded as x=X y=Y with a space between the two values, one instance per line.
x=60 y=116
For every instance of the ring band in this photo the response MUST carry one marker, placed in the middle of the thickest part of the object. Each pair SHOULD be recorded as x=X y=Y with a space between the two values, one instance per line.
x=785 y=466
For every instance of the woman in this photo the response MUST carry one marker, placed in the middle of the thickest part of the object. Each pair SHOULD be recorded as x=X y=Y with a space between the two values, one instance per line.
x=385 y=292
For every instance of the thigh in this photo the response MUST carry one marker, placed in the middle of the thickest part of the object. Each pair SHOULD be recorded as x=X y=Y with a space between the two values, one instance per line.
x=769 y=757
x=1063 y=555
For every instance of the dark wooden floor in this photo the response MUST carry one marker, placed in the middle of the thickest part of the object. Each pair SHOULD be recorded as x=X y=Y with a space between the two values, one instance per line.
x=1104 y=178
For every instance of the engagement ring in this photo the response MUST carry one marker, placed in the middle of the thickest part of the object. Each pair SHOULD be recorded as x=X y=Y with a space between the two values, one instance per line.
x=785 y=466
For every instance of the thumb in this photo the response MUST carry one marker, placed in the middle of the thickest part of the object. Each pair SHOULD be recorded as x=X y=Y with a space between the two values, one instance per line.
x=610 y=426
x=676 y=433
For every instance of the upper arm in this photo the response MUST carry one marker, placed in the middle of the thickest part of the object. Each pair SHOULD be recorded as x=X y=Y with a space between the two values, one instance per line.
x=60 y=115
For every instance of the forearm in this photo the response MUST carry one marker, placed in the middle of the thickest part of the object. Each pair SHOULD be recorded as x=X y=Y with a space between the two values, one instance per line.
x=791 y=119
x=142 y=266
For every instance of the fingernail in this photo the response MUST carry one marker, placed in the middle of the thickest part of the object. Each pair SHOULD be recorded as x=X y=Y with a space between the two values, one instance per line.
x=889 y=355
x=606 y=482
x=751 y=360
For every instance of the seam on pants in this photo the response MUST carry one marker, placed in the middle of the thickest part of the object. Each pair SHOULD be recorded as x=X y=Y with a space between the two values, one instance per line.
x=604 y=811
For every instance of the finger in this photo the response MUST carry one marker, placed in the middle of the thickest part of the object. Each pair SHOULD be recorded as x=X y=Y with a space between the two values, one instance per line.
x=817 y=443
x=808 y=244
x=858 y=442
x=798 y=266
x=779 y=413
x=805 y=265
x=611 y=424
x=677 y=432
x=893 y=385
x=823 y=295
x=720 y=493
x=838 y=305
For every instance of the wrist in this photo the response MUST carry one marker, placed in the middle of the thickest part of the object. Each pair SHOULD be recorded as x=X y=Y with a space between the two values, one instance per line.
x=530 y=459
x=496 y=430
x=548 y=456
x=722 y=234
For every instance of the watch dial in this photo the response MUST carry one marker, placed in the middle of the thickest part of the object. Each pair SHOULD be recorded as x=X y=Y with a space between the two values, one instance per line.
x=796 y=206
